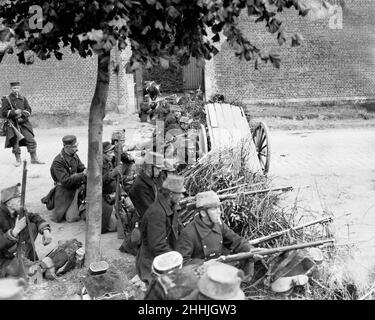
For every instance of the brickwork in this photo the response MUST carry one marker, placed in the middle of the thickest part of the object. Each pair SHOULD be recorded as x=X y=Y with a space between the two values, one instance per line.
x=65 y=86
x=331 y=63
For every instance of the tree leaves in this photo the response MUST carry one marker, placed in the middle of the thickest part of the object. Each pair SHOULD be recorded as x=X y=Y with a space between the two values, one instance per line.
x=216 y=38
x=173 y=12
x=153 y=27
x=164 y=62
x=281 y=38
x=275 y=59
x=47 y=28
x=273 y=25
x=95 y=35
x=158 y=25
x=118 y=22
x=297 y=40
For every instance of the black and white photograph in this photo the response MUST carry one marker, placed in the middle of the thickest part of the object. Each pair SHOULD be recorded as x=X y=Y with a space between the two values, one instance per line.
x=200 y=150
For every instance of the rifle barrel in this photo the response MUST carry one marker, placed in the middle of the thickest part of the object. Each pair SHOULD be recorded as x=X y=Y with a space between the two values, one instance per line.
x=234 y=195
x=266 y=252
x=282 y=232
x=224 y=197
x=118 y=161
x=23 y=186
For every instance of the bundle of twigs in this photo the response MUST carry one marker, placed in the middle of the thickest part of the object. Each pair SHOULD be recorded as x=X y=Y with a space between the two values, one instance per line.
x=257 y=215
x=251 y=216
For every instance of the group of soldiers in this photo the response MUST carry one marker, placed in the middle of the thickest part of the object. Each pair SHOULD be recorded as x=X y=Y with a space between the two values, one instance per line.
x=154 y=192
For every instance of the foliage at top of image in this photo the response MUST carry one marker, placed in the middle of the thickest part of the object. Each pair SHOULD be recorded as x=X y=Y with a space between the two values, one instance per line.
x=151 y=27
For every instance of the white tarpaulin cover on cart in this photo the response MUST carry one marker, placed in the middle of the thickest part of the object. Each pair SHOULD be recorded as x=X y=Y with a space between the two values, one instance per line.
x=227 y=127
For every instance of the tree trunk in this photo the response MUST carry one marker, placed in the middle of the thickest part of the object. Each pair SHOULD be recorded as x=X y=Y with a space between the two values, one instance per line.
x=95 y=162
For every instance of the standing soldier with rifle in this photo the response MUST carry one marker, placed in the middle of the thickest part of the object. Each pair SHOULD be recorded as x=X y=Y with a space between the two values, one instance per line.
x=18 y=231
x=18 y=129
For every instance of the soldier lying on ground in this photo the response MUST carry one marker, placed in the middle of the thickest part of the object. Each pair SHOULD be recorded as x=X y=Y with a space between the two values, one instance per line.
x=207 y=237
x=69 y=175
x=12 y=229
x=159 y=226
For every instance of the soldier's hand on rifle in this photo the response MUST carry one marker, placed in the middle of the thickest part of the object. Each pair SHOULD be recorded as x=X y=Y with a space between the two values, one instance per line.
x=19 y=226
x=256 y=256
x=47 y=239
x=84 y=171
x=18 y=112
x=117 y=171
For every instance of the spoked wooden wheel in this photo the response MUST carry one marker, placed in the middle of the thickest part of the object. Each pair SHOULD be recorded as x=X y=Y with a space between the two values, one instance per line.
x=262 y=144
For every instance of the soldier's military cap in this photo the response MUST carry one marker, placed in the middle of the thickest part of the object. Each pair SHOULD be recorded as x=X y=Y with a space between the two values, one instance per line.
x=14 y=83
x=207 y=199
x=174 y=183
x=69 y=140
x=10 y=193
x=107 y=146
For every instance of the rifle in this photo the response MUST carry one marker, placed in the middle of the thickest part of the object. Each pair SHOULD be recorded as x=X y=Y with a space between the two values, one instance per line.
x=120 y=227
x=285 y=231
x=15 y=127
x=189 y=202
x=17 y=132
x=22 y=214
x=267 y=252
x=223 y=197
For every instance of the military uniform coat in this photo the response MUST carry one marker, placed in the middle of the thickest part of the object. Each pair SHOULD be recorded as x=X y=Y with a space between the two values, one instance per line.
x=159 y=233
x=109 y=187
x=8 y=243
x=200 y=242
x=67 y=173
x=143 y=193
x=24 y=124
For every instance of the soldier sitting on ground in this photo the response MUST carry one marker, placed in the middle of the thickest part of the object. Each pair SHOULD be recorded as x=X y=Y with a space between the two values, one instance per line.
x=144 y=189
x=159 y=226
x=207 y=237
x=12 y=229
x=69 y=175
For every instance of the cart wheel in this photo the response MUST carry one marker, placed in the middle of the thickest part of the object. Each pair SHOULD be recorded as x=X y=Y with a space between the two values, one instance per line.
x=261 y=140
x=203 y=146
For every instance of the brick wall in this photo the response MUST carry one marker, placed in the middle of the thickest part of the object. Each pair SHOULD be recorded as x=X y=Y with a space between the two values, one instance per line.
x=331 y=63
x=65 y=86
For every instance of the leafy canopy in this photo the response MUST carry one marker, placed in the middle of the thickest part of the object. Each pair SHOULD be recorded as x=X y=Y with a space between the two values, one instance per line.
x=155 y=29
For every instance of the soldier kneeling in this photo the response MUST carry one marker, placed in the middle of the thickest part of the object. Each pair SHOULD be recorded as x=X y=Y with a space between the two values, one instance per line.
x=12 y=228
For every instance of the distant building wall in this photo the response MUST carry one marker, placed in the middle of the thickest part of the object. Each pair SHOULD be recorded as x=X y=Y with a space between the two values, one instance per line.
x=65 y=86
x=330 y=64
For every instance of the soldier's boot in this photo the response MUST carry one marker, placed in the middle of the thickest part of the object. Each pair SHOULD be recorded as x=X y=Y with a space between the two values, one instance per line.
x=34 y=158
x=18 y=160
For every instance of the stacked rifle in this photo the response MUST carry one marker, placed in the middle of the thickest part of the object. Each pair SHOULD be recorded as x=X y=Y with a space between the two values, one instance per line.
x=188 y=212
x=188 y=204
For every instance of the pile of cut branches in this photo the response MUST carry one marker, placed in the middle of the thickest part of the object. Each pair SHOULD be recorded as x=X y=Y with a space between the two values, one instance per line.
x=257 y=215
x=251 y=216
